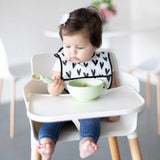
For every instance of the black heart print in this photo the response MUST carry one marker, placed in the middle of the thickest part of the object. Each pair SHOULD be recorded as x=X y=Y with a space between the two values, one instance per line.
x=101 y=64
x=64 y=62
x=85 y=74
x=79 y=71
x=98 y=55
x=108 y=78
x=68 y=74
x=105 y=58
x=107 y=70
x=85 y=64
x=73 y=65
x=95 y=62
x=93 y=72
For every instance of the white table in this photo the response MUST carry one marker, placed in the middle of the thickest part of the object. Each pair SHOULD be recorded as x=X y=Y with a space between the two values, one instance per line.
x=118 y=101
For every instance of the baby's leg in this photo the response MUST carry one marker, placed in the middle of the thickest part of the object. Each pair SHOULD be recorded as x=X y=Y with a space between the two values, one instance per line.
x=89 y=134
x=46 y=148
x=113 y=118
x=48 y=136
x=87 y=147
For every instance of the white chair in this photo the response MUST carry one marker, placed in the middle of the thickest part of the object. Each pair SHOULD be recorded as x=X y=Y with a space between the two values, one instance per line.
x=150 y=70
x=126 y=126
x=13 y=73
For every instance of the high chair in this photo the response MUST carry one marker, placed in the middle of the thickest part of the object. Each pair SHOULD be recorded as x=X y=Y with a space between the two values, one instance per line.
x=13 y=74
x=125 y=126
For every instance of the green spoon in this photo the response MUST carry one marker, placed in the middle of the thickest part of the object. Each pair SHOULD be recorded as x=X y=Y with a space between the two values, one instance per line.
x=38 y=76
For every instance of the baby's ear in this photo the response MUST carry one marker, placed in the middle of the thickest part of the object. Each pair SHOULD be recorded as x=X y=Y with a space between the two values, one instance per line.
x=95 y=48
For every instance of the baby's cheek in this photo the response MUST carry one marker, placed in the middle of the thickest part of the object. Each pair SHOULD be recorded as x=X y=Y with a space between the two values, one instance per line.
x=67 y=57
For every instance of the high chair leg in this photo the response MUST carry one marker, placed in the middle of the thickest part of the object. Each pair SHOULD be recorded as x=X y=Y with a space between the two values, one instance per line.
x=1 y=82
x=45 y=159
x=148 y=91
x=158 y=101
x=12 y=110
x=35 y=154
x=135 y=149
x=113 y=144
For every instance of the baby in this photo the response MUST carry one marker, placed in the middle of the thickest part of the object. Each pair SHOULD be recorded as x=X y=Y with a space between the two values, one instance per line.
x=81 y=34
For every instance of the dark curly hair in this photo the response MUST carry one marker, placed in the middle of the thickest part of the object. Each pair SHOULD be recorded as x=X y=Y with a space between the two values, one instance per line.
x=86 y=19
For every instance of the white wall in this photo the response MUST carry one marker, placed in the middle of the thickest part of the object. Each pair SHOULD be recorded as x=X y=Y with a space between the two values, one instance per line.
x=23 y=23
x=22 y=27
x=145 y=16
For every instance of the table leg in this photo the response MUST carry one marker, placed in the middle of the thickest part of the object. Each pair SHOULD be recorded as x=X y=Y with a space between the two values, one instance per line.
x=1 y=82
x=158 y=101
x=12 y=110
x=148 y=91
x=45 y=159
x=135 y=149
x=113 y=144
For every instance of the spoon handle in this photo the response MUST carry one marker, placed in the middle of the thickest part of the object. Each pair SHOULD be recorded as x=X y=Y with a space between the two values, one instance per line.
x=38 y=76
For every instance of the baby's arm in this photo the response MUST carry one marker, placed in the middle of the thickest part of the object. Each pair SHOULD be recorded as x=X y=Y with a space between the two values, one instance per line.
x=113 y=118
x=57 y=86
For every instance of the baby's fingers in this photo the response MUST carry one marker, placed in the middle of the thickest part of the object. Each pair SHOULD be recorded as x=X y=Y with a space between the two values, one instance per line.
x=55 y=83
x=58 y=83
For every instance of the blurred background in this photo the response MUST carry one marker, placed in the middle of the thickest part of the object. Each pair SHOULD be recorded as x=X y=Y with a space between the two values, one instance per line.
x=29 y=27
x=24 y=23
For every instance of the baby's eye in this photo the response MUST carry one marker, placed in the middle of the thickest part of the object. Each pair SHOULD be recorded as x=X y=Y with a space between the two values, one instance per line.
x=67 y=46
x=80 y=47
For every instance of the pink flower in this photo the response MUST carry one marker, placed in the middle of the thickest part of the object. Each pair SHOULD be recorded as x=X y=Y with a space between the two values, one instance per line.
x=105 y=13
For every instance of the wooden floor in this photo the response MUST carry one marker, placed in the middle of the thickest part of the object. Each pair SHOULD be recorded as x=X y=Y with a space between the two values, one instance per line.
x=19 y=147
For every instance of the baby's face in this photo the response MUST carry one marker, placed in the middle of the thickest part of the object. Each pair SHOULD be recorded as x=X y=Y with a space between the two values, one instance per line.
x=77 y=47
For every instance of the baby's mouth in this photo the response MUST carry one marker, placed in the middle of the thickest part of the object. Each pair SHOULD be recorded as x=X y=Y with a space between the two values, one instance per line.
x=75 y=59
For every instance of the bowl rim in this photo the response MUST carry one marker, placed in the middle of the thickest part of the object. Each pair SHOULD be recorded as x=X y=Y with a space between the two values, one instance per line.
x=95 y=79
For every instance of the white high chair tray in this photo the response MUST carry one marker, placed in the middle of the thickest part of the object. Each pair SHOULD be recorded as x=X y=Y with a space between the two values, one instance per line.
x=117 y=101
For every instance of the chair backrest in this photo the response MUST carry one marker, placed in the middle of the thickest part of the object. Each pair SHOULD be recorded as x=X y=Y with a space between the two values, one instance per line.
x=4 y=68
x=123 y=78
x=43 y=64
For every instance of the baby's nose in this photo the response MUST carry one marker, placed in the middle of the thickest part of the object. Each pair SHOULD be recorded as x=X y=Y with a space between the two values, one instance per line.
x=73 y=52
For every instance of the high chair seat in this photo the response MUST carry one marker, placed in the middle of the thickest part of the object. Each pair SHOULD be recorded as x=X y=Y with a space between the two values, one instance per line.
x=126 y=126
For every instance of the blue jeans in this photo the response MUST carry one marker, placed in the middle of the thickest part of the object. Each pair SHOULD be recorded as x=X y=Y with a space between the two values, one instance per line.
x=89 y=128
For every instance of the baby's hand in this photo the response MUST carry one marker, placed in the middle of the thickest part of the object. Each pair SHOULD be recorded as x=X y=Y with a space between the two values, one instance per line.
x=112 y=118
x=56 y=87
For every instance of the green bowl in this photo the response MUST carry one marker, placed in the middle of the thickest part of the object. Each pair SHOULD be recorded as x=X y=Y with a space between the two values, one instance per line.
x=85 y=89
